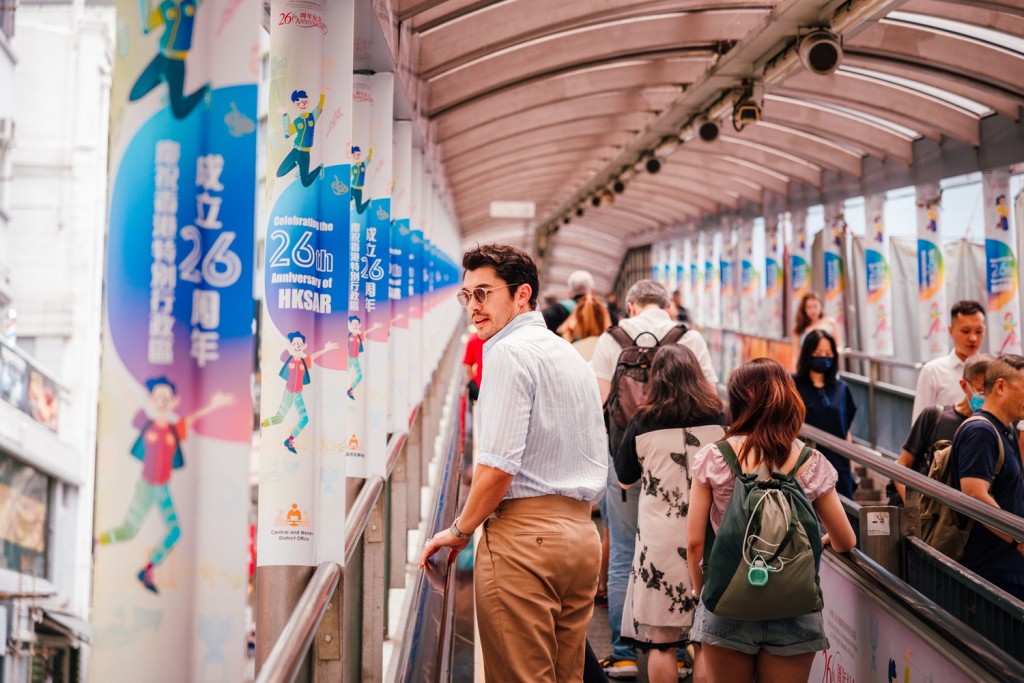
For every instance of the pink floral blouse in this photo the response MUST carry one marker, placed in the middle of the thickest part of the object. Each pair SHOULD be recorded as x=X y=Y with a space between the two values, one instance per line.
x=710 y=469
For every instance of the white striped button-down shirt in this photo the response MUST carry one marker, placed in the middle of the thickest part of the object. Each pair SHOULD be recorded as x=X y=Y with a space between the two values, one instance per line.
x=539 y=414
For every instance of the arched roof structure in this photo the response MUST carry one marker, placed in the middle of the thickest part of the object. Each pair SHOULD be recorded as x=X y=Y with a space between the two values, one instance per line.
x=552 y=102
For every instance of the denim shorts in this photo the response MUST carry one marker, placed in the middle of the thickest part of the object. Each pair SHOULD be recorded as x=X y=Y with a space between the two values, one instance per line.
x=782 y=637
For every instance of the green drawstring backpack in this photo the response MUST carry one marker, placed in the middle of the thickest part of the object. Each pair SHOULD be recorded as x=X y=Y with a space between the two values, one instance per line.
x=763 y=562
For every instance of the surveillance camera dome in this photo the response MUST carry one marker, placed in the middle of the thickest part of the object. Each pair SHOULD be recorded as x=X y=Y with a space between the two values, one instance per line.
x=821 y=52
x=707 y=130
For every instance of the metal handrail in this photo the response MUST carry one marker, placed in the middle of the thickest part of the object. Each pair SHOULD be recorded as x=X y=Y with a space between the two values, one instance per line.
x=282 y=665
x=889 y=362
x=976 y=646
x=989 y=515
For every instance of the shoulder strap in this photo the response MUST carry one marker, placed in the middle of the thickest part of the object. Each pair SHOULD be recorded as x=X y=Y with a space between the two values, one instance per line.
x=674 y=335
x=936 y=411
x=730 y=457
x=999 y=440
x=619 y=335
x=804 y=456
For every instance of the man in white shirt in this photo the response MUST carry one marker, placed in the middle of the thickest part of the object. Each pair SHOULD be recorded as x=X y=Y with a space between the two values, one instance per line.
x=939 y=380
x=542 y=463
x=646 y=303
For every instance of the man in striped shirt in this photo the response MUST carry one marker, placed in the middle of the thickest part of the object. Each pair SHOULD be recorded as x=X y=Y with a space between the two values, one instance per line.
x=542 y=464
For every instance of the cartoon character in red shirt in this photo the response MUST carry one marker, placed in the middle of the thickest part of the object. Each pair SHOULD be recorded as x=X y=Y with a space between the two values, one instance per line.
x=295 y=373
x=161 y=432
x=356 y=337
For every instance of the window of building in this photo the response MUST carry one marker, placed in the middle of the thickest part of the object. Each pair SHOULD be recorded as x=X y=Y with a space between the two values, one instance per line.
x=25 y=500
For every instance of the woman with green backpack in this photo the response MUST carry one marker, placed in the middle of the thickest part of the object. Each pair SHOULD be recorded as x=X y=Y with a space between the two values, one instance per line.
x=753 y=538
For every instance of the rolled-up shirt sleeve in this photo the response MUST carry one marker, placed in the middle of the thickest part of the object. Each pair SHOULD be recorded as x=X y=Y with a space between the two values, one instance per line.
x=505 y=407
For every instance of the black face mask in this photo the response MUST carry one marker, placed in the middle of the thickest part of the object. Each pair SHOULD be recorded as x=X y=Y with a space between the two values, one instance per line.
x=821 y=364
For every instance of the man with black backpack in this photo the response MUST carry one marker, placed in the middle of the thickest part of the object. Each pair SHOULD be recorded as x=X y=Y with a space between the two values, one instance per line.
x=939 y=423
x=980 y=474
x=619 y=364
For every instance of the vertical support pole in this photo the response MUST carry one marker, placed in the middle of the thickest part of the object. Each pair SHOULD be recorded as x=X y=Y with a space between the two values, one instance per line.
x=278 y=589
x=329 y=638
x=414 y=469
x=872 y=425
x=881 y=536
x=373 y=595
x=399 y=536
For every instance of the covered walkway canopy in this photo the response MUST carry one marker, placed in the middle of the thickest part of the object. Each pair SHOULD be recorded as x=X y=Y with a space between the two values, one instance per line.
x=556 y=102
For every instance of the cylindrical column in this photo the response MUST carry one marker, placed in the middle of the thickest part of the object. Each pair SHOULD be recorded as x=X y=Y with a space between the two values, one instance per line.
x=278 y=588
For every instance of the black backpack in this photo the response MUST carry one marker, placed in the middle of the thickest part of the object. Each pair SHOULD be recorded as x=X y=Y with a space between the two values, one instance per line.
x=629 y=382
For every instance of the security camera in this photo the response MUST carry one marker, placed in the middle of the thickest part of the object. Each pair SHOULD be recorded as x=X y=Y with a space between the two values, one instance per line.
x=707 y=130
x=820 y=52
x=746 y=113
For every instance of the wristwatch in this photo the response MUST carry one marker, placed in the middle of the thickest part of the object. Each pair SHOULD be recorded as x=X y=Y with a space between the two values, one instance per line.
x=454 y=528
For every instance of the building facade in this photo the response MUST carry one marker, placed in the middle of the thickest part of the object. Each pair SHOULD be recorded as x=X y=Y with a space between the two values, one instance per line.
x=53 y=167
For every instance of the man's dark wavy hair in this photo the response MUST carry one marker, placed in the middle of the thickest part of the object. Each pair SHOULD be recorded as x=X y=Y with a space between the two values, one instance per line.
x=512 y=265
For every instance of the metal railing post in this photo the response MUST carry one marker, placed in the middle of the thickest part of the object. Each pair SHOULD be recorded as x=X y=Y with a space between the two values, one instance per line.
x=278 y=589
x=872 y=380
x=399 y=532
x=330 y=638
x=373 y=595
x=414 y=468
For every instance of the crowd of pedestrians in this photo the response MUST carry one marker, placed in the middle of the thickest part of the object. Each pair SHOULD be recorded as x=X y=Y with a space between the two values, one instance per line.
x=554 y=447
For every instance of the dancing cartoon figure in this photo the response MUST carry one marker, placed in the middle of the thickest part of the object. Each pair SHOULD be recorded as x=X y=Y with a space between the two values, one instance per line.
x=933 y=218
x=936 y=316
x=1002 y=214
x=1011 y=343
x=359 y=177
x=883 y=321
x=356 y=337
x=161 y=433
x=168 y=66
x=303 y=128
x=295 y=373
x=879 y=230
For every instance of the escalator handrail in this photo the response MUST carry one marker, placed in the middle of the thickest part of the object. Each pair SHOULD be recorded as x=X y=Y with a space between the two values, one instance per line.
x=998 y=519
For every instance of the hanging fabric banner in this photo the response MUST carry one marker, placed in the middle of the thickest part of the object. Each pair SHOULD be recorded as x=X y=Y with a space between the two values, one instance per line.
x=697 y=273
x=308 y=285
x=773 y=322
x=1001 y=274
x=834 y=267
x=686 y=279
x=931 y=290
x=712 y=284
x=682 y=272
x=401 y=243
x=414 y=281
x=750 y=302
x=727 y=276
x=799 y=263
x=175 y=413
x=369 y=314
x=879 y=339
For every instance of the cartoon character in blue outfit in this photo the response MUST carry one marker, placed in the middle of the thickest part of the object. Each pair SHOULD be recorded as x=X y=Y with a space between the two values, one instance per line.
x=168 y=66
x=303 y=128
x=295 y=373
x=1002 y=214
x=161 y=433
x=359 y=177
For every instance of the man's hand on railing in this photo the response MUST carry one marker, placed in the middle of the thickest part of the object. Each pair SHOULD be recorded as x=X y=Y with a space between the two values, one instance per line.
x=443 y=539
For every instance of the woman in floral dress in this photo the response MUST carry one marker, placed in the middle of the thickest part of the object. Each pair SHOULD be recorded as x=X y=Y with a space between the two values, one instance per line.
x=682 y=414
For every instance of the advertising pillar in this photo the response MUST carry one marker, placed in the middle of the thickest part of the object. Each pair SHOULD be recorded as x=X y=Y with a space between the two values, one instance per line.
x=879 y=340
x=1001 y=272
x=774 y=321
x=175 y=413
x=799 y=264
x=931 y=290
x=834 y=267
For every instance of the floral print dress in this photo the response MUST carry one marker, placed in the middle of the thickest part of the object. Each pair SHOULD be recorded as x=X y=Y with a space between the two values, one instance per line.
x=659 y=607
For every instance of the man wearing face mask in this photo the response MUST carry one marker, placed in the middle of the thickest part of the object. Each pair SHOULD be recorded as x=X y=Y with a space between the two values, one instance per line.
x=937 y=423
x=829 y=401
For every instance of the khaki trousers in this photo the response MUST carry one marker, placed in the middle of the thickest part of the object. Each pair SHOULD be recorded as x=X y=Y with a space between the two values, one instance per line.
x=535 y=578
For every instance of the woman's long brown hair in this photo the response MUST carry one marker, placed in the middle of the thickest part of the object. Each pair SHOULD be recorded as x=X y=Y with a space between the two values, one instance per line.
x=765 y=407
x=678 y=392
x=803 y=321
x=592 y=317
